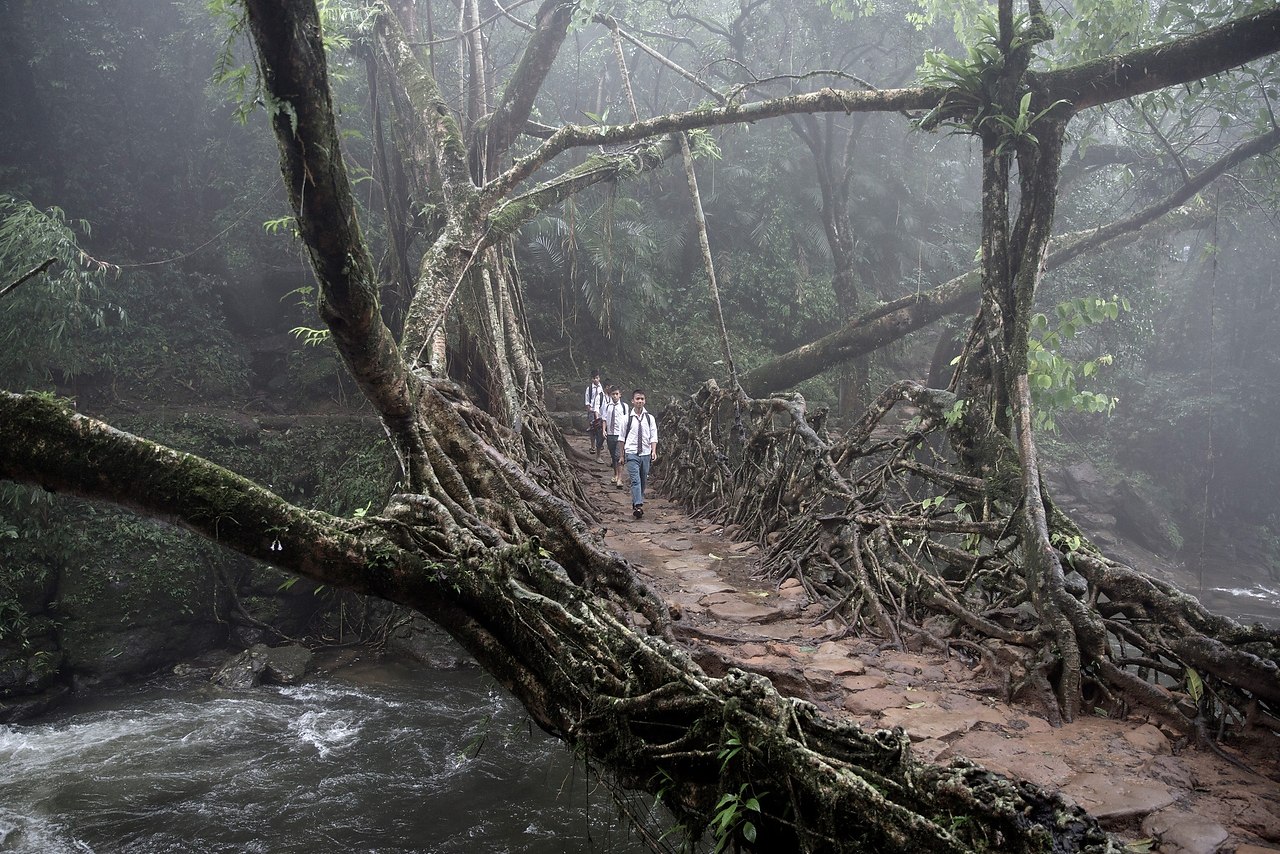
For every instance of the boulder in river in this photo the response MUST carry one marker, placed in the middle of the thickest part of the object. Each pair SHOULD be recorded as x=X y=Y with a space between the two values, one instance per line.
x=282 y=665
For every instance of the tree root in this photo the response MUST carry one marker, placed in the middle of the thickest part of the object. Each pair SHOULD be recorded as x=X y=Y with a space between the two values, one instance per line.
x=844 y=515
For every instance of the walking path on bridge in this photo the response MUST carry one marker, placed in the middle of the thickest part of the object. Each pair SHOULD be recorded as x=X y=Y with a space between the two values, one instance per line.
x=1125 y=772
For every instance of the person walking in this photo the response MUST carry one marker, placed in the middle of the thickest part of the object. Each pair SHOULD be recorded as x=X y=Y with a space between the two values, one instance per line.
x=639 y=446
x=615 y=415
x=594 y=399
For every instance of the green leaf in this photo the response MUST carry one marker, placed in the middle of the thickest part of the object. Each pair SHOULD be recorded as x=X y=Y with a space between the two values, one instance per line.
x=1195 y=686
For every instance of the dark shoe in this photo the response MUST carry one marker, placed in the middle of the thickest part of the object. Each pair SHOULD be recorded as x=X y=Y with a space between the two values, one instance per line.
x=638 y=511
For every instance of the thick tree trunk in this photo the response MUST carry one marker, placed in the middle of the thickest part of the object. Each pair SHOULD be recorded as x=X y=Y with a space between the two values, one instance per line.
x=833 y=183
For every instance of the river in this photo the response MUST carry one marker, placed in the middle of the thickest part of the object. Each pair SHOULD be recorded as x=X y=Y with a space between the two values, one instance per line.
x=370 y=757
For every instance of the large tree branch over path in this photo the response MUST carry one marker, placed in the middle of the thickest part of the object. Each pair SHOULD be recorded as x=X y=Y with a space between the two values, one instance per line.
x=887 y=323
x=1193 y=57
x=1087 y=85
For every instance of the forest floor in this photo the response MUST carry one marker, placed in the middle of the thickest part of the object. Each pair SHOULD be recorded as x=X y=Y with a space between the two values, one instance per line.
x=1129 y=773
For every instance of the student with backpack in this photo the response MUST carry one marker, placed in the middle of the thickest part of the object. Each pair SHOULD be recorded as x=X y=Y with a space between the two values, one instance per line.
x=594 y=399
x=639 y=446
x=615 y=415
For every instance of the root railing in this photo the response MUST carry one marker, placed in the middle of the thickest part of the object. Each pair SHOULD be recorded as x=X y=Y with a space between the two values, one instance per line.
x=908 y=528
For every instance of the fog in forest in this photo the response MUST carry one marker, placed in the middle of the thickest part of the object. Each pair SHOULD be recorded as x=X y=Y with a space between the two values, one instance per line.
x=191 y=281
x=154 y=275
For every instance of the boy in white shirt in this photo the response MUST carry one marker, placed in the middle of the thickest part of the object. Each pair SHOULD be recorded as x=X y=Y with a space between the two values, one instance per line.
x=615 y=415
x=639 y=446
x=594 y=399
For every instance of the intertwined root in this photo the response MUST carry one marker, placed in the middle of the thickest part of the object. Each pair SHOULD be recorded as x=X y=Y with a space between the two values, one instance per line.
x=912 y=526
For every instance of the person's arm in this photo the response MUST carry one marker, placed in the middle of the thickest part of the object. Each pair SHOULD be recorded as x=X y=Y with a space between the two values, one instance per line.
x=653 y=443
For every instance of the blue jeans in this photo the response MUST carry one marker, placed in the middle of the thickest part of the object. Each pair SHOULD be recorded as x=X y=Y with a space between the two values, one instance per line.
x=638 y=469
x=612 y=442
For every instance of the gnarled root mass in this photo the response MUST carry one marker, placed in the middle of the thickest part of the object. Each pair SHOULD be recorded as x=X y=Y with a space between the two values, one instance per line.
x=913 y=526
x=729 y=754
x=549 y=612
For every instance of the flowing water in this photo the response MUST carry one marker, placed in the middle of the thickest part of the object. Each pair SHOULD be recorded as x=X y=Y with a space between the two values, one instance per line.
x=382 y=758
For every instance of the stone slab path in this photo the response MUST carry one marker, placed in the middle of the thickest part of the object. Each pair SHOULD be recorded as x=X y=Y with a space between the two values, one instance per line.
x=1127 y=773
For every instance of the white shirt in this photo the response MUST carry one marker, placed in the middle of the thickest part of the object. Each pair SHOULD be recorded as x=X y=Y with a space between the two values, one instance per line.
x=614 y=415
x=641 y=429
x=594 y=398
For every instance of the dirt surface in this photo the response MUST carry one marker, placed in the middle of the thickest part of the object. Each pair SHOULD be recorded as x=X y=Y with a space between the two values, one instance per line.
x=1135 y=777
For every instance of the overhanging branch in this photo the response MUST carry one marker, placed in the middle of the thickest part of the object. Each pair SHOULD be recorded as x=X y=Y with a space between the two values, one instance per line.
x=884 y=324
x=30 y=274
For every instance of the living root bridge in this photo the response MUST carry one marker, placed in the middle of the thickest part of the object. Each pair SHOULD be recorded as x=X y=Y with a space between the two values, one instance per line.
x=908 y=527
x=631 y=702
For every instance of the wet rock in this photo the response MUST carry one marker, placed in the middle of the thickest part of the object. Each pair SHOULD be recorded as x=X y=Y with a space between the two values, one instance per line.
x=782 y=673
x=283 y=665
x=1013 y=755
x=873 y=701
x=287 y=665
x=865 y=682
x=422 y=640
x=15 y=709
x=243 y=670
x=736 y=610
x=674 y=545
x=928 y=750
x=689 y=603
x=968 y=707
x=1087 y=482
x=1170 y=770
x=1140 y=518
x=835 y=659
x=1148 y=739
x=777 y=631
x=1028 y=725
x=1118 y=796
x=957 y=671
x=1181 y=833
x=914 y=668
x=927 y=722
x=711 y=587
x=794 y=593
